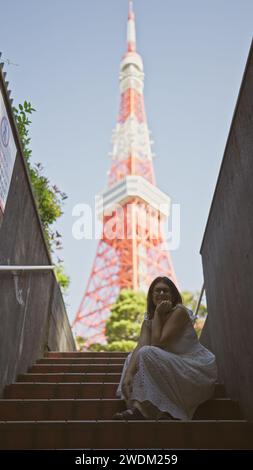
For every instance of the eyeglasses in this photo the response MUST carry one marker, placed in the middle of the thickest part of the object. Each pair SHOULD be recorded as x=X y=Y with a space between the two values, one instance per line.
x=161 y=290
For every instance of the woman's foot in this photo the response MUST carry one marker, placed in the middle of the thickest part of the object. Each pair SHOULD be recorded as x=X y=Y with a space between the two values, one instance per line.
x=133 y=414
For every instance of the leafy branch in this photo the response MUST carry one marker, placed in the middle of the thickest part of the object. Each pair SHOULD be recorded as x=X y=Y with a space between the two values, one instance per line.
x=49 y=198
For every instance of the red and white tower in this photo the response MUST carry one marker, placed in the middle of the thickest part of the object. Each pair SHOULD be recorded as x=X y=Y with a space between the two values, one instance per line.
x=132 y=250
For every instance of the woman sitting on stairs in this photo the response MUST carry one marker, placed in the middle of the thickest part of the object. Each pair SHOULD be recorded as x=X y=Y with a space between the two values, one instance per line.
x=169 y=373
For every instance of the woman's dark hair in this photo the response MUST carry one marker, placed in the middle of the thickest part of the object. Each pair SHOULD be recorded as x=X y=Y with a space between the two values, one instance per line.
x=175 y=295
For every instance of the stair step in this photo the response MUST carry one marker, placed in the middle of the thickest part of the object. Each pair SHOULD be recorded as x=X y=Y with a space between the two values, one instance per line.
x=76 y=354
x=71 y=390
x=80 y=360
x=218 y=408
x=75 y=368
x=72 y=378
x=60 y=390
x=126 y=435
x=94 y=409
x=53 y=409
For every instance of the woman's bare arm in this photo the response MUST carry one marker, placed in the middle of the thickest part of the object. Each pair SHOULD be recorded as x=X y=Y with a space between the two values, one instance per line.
x=164 y=331
x=161 y=315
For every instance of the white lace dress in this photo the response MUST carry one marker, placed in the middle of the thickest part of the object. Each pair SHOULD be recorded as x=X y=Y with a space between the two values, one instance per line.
x=174 y=380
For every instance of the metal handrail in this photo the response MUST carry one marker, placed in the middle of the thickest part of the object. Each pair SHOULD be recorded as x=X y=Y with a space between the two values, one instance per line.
x=7 y=268
x=195 y=315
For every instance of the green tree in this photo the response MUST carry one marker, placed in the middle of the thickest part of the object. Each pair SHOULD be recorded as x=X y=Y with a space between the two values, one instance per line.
x=190 y=300
x=49 y=199
x=124 y=325
x=80 y=342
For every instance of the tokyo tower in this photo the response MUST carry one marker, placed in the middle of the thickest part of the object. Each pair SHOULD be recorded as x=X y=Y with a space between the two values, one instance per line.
x=132 y=249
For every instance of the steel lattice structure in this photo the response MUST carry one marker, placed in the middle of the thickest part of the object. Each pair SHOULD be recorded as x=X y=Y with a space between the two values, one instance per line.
x=132 y=249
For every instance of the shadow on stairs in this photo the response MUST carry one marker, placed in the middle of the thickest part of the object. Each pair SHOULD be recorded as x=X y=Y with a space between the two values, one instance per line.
x=66 y=401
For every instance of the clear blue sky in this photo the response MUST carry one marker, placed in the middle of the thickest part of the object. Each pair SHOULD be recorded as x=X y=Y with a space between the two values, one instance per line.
x=69 y=52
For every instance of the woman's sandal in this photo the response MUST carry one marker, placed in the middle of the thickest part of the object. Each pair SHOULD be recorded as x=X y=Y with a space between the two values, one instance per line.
x=129 y=415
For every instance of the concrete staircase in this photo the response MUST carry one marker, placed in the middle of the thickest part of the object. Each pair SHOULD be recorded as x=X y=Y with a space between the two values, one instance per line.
x=66 y=401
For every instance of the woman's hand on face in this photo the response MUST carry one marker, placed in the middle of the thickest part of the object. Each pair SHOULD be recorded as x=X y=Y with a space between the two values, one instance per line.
x=163 y=307
x=127 y=385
